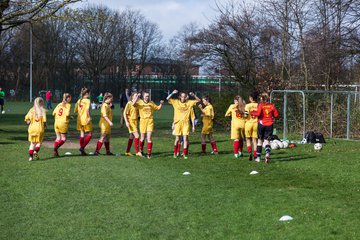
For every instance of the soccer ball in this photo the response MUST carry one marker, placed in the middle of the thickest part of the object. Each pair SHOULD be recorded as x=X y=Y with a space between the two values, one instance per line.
x=318 y=146
x=274 y=145
x=279 y=143
x=3 y=112
x=285 y=143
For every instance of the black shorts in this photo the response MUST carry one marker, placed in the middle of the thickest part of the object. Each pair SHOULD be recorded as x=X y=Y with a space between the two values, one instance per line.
x=1 y=102
x=264 y=132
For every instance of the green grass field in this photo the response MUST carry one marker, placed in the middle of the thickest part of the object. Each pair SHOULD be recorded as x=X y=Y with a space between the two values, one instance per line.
x=135 y=198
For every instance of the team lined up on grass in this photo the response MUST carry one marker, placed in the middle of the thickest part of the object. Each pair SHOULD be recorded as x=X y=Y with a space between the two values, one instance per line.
x=252 y=121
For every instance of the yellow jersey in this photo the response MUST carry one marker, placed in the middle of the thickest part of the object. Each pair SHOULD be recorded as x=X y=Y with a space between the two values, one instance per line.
x=208 y=117
x=182 y=111
x=146 y=110
x=82 y=107
x=249 y=108
x=130 y=111
x=105 y=112
x=62 y=113
x=237 y=118
x=37 y=124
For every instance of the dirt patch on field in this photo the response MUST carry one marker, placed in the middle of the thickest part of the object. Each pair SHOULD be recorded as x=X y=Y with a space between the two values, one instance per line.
x=69 y=144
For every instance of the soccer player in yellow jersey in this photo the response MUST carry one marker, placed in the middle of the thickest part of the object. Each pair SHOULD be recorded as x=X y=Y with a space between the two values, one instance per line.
x=207 y=130
x=131 y=115
x=62 y=115
x=251 y=125
x=84 y=124
x=105 y=124
x=36 y=119
x=146 y=111
x=181 y=141
x=237 y=111
x=182 y=110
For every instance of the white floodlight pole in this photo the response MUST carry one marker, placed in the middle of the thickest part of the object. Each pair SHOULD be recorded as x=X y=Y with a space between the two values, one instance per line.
x=31 y=62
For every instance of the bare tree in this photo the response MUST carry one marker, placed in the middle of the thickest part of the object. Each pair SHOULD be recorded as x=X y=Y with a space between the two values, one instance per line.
x=17 y=12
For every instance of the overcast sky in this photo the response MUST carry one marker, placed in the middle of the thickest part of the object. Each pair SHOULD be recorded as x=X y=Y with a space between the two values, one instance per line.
x=170 y=15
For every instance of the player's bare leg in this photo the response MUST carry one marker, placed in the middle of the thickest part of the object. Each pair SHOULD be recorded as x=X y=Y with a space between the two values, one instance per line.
x=149 y=144
x=185 y=150
x=213 y=144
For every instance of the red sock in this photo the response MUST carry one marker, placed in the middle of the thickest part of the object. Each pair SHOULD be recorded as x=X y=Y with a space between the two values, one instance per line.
x=136 y=145
x=130 y=141
x=82 y=142
x=178 y=148
x=37 y=149
x=185 y=150
x=249 y=149
x=31 y=153
x=61 y=143
x=87 y=140
x=141 y=146
x=236 y=147
x=203 y=147
x=149 y=147
x=255 y=153
x=98 y=146
x=107 y=146
x=56 y=144
x=241 y=145
x=213 y=144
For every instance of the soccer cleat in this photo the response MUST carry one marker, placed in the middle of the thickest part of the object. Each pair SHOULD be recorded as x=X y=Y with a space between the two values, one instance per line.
x=149 y=156
x=36 y=156
x=250 y=157
x=96 y=154
x=110 y=154
x=82 y=152
x=214 y=152
x=175 y=155
x=236 y=155
x=185 y=157
x=128 y=154
x=139 y=154
x=257 y=159
x=30 y=158
x=55 y=153
x=241 y=154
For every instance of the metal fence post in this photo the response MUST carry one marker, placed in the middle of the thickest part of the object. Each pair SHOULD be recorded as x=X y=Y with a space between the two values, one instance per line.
x=348 y=117
x=331 y=114
x=285 y=119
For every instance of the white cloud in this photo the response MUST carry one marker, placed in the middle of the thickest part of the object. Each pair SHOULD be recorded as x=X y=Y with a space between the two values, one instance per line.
x=170 y=15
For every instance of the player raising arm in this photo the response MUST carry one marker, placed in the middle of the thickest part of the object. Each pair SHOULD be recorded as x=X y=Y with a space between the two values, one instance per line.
x=266 y=112
x=208 y=117
x=131 y=115
x=146 y=111
x=237 y=111
x=182 y=111
x=36 y=119
x=105 y=124
x=62 y=115
x=84 y=124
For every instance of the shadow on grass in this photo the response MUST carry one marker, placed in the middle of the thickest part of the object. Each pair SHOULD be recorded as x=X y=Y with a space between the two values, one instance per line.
x=294 y=158
x=6 y=143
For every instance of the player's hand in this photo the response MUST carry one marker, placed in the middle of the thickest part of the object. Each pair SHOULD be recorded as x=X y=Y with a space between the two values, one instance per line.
x=88 y=120
x=175 y=91
x=111 y=124
x=202 y=115
x=200 y=106
x=162 y=101
x=193 y=129
x=28 y=122
x=191 y=94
